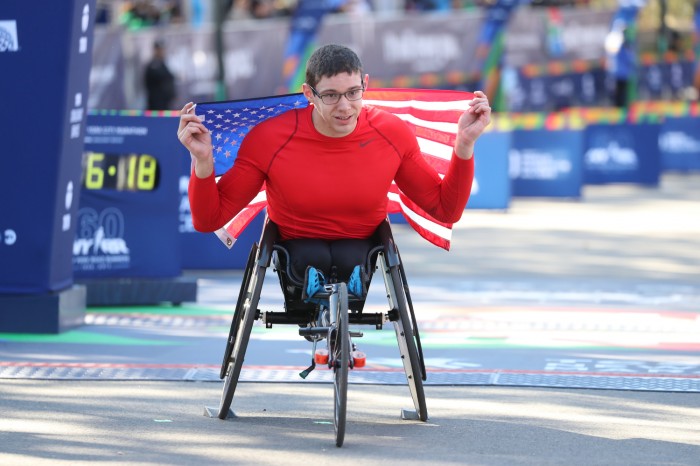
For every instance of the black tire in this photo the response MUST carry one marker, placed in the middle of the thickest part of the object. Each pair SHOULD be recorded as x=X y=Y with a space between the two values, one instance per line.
x=341 y=361
x=414 y=374
x=246 y=318
x=235 y=321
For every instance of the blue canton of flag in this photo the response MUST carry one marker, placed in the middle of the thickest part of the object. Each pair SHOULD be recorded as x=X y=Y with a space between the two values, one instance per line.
x=230 y=121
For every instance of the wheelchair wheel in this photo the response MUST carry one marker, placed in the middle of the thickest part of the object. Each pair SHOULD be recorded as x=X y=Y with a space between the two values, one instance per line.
x=405 y=335
x=235 y=322
x=341 y=360
x=243 y=319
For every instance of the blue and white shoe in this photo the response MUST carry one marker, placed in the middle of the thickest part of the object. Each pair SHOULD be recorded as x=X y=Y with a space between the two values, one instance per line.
x=312 y=284
x=356 y=283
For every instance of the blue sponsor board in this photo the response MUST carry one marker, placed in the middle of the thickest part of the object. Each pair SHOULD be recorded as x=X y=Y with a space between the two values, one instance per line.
x=127 y=221
x=622 y=153
x=545 y=163
x=679 y=144
x=491 y=187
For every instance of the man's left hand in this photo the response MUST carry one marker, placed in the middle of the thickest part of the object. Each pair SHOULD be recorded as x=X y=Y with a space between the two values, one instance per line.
x=471 y=124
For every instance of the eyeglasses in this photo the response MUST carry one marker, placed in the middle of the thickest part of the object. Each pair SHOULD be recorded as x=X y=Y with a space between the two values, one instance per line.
x=334 y=98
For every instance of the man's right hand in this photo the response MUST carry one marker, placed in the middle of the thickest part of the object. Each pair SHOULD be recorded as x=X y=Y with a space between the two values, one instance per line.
x=197 y=139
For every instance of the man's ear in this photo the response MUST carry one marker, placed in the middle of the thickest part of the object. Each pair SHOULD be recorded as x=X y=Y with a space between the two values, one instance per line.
x=308 y=93
x=365 y=81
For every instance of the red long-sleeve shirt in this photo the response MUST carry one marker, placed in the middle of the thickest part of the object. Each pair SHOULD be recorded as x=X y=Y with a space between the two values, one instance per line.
x=330 y=188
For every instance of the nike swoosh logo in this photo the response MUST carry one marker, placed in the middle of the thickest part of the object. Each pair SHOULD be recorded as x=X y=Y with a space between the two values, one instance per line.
x=364 y=143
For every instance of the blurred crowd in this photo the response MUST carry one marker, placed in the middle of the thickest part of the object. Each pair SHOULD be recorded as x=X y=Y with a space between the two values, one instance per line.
x=137 y=14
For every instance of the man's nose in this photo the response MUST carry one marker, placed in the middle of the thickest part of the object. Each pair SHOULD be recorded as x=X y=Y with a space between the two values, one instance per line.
x=344 y=101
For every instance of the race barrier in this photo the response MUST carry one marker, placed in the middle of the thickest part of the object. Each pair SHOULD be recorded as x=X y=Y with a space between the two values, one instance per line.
x=679 y=143
x=622 y=153
x=491 y=187
x=546 y=163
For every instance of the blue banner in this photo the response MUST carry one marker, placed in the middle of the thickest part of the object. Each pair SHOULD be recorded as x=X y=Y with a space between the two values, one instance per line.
x=128 y=223
x=622 y=153
x=554 y=92
x=546 y=163
x=679 y=143
x=661 y=80
x=491 y=187
x=45 y=58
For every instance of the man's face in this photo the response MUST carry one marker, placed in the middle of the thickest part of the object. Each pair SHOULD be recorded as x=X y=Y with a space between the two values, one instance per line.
x=339 y=119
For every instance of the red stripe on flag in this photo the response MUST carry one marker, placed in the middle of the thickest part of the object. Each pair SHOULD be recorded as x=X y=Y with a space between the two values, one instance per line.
x=239 y=223
x=439 y=116
x=428 y=95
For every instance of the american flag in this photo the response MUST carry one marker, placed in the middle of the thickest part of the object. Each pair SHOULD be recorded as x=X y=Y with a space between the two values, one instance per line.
x=431 y=114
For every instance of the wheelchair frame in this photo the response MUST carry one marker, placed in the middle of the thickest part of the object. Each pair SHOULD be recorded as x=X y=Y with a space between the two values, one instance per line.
x=343 y=311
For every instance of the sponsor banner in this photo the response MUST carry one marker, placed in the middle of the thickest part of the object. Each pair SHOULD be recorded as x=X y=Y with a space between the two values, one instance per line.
x=491 y=187
x=45 y=58
x=546 y=163
x=410 y=51
x=622 y=153
x=127 y=224
x=679 y=143
x=552 y=92
x=663 y=80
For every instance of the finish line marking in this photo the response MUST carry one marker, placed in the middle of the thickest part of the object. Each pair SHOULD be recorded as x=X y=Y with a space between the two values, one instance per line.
x=286 y=374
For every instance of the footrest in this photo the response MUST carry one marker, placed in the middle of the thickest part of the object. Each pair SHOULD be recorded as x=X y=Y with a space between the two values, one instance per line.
x=313 y=331
x=409 y=415
x=214 y=412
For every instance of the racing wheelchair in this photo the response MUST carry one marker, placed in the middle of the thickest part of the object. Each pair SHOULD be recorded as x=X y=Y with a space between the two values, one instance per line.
x=326 y=319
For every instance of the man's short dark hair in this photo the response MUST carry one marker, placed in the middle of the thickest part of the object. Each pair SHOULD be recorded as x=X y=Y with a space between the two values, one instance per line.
x=329 y=61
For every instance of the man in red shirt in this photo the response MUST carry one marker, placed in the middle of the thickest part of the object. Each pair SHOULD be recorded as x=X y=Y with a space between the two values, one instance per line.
x=328 y=167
